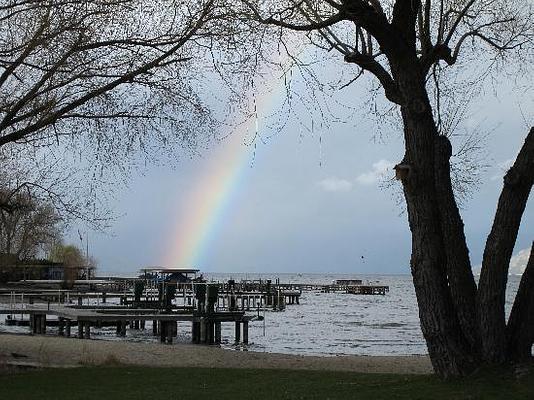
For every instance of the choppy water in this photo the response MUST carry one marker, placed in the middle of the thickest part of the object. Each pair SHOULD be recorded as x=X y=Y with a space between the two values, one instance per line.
x=339 y=323
x=323 y=323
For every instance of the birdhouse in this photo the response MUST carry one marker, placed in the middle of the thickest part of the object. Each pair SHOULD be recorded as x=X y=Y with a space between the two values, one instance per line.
x=402 y=171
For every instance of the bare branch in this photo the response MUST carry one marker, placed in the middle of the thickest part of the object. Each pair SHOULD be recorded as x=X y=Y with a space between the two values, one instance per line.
x=368 y=63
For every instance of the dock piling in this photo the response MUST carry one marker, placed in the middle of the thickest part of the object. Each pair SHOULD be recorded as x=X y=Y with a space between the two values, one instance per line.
x=195 y=332
x=203 y=333
x=61 y=327
x=245 y=332
x=217 y=332
x=237 y=331
x=43 y=324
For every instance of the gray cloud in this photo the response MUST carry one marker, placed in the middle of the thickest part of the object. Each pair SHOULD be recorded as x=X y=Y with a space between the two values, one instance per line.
x=334 y=184
x=380 y=169
x=518 y=263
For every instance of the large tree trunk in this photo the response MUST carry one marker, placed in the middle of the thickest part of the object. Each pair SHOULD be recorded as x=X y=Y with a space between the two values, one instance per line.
x=460 y=275
x=498 y=251
x=520 y=329
x=449 y=351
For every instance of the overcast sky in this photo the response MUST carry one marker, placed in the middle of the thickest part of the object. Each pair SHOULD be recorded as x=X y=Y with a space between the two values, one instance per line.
x=308 y=202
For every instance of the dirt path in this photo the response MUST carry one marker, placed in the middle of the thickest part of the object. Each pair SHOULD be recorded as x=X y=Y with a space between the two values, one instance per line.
x=66 y=352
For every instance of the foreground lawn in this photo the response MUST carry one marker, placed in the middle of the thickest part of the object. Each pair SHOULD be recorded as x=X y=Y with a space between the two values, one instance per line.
x=99 y=383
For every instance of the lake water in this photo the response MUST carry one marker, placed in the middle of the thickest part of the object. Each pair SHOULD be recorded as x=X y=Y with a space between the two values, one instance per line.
x=323 y=323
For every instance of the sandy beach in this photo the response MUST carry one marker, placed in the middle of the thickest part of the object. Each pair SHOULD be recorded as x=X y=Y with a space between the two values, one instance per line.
x=49 y=351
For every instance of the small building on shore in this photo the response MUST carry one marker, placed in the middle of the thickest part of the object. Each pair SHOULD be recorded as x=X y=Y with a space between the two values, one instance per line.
x=14 y=270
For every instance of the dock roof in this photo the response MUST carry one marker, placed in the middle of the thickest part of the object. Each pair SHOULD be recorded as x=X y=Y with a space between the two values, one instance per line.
x=170 y=270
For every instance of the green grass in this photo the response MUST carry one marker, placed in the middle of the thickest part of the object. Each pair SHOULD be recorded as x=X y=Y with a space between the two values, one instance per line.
x=99 y=383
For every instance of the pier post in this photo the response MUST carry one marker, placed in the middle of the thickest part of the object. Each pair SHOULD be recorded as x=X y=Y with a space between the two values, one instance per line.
x=142 y=323
x=80 y=330
x=155 y=327
x=171 y=329
x=43 y=324
x=195 y=332
x=210 y=336
x=232 y=303
x=87 y=330
x=237 y=331
x=80 y=299
x=61 y=327
x=218 y=332
x=245 y=332
x=67 y=327
x=202 y=330
x=166 y=332
x=163 y=326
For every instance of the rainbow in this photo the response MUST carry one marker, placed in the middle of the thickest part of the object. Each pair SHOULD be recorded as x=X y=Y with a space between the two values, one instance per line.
x=197 y=224
x=206 y=206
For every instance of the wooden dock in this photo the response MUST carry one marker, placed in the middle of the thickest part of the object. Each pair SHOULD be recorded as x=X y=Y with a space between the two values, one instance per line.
x=129 y=304
x=162 y=307
x=357 y=289
x=205 y=326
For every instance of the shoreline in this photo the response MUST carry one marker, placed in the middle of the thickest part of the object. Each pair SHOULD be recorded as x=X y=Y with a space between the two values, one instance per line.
x=59 y=352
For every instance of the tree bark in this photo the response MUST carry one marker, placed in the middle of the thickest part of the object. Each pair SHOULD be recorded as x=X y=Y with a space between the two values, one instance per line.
x=498 y=251
x=520 y=329
x=449 y=350
x=462 y=284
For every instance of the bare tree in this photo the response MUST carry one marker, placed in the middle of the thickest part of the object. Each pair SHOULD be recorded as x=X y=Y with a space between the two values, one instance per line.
x=27 y=226
x=99 y=84
x=64 y=62
x=404 y=45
